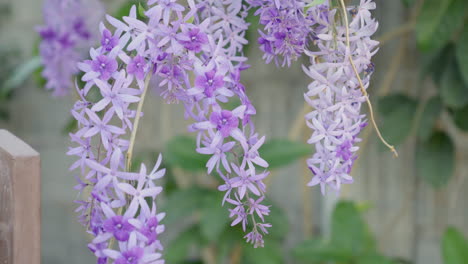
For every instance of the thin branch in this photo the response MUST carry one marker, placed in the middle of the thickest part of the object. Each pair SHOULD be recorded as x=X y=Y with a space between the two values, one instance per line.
x=136 y=123
x=363 y=90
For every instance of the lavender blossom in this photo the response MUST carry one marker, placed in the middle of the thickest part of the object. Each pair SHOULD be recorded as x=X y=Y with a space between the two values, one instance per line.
x=335 y=92
x=69 y=30
x=204 y=40
x=287 y=29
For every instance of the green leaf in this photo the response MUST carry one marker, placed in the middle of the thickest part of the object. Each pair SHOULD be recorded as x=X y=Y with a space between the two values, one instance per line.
x=180 y=152
x=460 y=118
x=281 y=152
x=431 y=16
x=21 y=74
x=435 y=159
x=453 y=90
x=317 y=251
x=313 y=3
x=429 y=116
x=454 y=247
x=70 y=126
x=271 y=253
x=141 y=10
x=124 y=9
x=349 y=231
x=451 y=21
x=462 y=53
x=397 y=116
x=178 y=249
x=182 y=204
x=434 y=63
x=214 y=217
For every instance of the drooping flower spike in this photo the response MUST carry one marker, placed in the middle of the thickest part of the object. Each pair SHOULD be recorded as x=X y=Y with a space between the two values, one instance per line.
x=70 y=29
x=340 y=53
x=191 y=55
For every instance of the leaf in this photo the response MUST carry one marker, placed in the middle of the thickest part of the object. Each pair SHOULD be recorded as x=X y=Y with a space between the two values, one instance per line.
x=454 y=247
x=180 y=152
x=124 y=9
x=349 y=231
x=317 y=251
x=21 y=74
x=460 y=118
x=434 y=63
x=462 y=53
x=271 y=253
x=281 y=152
x=431 y=16
x=182 y=204
x=435 y=159
x=453 y=90
x=70 y=126
x=429 y=116
x=178 y=249
x=214 y=217
x=141 y=10
x=451 y=21
x=313 y=3
x=397 y=115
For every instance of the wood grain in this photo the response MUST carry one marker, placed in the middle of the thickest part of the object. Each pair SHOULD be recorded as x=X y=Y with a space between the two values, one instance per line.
x=20 y=218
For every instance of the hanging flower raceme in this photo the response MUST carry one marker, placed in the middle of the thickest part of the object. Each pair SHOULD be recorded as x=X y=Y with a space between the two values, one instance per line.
x=340 y=54
x=121 y=205
x=69 y=31
x=341 y=72
x=192 y=56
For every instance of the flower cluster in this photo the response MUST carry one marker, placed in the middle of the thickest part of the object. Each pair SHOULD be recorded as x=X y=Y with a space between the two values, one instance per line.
x=316 y=29
x=335 y=92
x=68 y=32
x=191 y=55
x=121 y=204
x=286 y=29
x=66 y=36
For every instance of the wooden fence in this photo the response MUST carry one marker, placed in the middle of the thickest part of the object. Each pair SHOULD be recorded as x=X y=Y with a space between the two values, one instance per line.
x=20 y=209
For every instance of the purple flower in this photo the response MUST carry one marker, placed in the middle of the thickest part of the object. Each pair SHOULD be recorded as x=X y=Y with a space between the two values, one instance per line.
x=120 y=95
x=108 y=41
x=105 y=66
x=150 y=229
x=118 y=226
x=137 y=67
x=102 y=127
x=193 y=39
x=69 y=30
x=334 y=93
x=225 y=122
x=139 y=193
x=132 y=256
x=209 y=82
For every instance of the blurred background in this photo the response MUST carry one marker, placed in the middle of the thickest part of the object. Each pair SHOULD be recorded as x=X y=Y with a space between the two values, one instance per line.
x=409 y=209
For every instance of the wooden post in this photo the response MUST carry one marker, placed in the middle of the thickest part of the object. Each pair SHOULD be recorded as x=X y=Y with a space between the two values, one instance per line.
x=20 y=211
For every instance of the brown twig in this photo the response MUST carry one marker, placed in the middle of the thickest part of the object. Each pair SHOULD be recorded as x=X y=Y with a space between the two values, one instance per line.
x=363 y=90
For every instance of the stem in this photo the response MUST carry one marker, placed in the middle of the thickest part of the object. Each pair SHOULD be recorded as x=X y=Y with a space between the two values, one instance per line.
x=363 y=90
x=132 y=139
x=135 y=124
